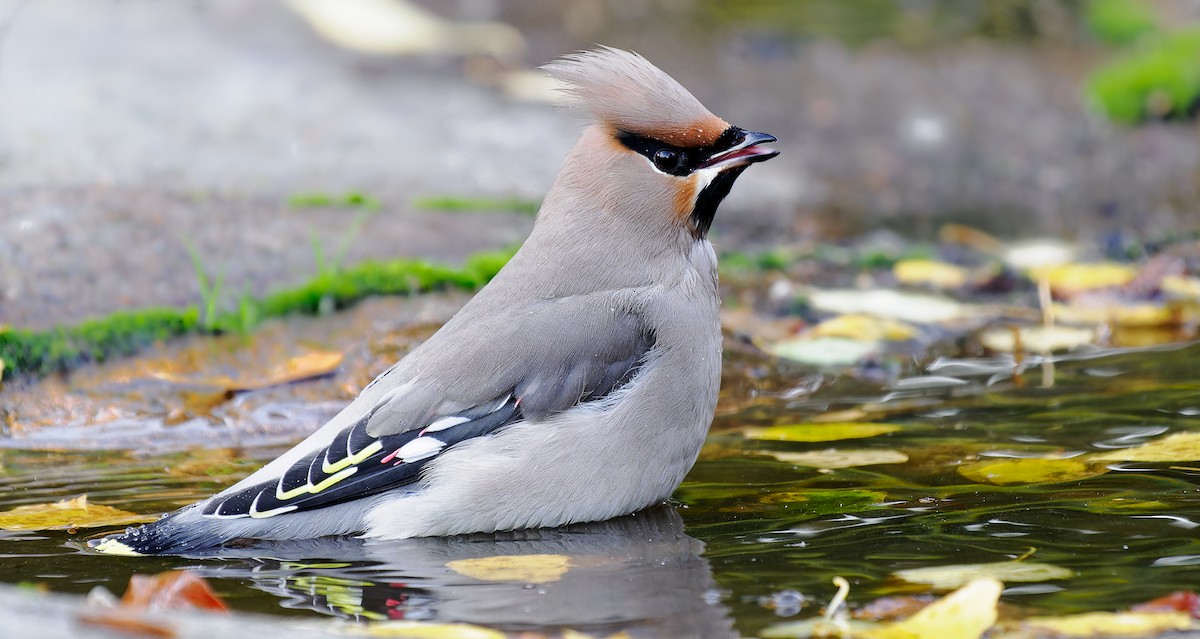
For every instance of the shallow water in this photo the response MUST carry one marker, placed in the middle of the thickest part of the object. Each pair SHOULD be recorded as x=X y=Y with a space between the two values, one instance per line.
x=746 y=527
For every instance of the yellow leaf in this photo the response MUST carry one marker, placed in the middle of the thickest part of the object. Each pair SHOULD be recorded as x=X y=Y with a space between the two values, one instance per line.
x=910 y=307
x=1037 y=339
x=1029 y=471
x=1033 y=254
x=829 y=432
x=1131 y=315
x=929 y=273
x=404 y=629
x=535 y=569
x=966 y=613
x=864 y=328
x=833 y=458
x=68 y=514
x=1066 y=279
x=1180 y=287
x=822 y=351
x=946 y=577
x=818 y=627
x=1107 y=624
x=1178 y=447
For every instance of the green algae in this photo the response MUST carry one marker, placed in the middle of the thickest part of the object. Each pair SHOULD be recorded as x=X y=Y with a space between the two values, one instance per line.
x=62 y=348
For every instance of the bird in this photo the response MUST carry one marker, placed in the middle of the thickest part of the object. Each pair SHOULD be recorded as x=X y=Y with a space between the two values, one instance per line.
x=578 y=385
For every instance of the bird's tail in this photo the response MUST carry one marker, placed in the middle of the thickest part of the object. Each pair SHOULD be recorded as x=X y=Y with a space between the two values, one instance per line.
x=176 y=533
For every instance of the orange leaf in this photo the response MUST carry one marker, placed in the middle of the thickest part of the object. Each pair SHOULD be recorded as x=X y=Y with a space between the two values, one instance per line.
x=127 y=625
x=175 y=590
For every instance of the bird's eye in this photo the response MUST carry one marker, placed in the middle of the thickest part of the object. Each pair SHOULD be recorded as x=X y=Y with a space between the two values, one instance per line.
x=667 y=160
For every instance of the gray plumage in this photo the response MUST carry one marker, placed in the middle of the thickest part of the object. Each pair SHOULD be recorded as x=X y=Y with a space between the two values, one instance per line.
x=576 y=386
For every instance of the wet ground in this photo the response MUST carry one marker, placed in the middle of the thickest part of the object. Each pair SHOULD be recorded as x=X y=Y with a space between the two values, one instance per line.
x=807 y=475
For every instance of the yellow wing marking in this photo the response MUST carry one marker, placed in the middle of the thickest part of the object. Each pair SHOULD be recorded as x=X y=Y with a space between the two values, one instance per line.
x=338 y=470
x=351 y=460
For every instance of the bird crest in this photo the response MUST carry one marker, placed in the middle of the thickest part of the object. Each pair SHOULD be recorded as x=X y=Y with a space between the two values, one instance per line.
x=623 y=90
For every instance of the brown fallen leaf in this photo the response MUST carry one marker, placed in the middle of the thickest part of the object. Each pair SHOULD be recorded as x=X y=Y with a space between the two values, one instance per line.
x=295 y=369
x=68 y=514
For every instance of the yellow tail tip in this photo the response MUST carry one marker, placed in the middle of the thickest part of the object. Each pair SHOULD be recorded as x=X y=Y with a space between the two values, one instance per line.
x=111 y=546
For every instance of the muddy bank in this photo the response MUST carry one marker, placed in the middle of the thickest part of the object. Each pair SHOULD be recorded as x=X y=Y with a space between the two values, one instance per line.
x=129 y=127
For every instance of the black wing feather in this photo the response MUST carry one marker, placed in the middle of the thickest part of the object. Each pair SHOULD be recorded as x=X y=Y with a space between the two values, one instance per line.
x=326 y=482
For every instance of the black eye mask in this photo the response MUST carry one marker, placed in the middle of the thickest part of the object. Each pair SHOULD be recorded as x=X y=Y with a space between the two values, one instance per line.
x=677 y=160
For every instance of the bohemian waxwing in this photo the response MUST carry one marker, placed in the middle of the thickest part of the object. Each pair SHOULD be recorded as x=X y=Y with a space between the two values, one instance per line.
x=577 y=386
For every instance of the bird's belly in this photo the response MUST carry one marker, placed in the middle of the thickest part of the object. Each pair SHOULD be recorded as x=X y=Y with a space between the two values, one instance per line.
x=592 y=462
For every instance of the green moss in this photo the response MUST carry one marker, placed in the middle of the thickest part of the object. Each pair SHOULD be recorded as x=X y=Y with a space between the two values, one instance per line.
x=1159 y=80
x=350 y=199
x=1119 y=22
x=123 y=333
x=461 y=204
x=43 y=352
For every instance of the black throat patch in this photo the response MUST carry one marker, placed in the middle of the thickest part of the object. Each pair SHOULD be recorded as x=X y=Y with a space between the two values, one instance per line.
x=710 y=198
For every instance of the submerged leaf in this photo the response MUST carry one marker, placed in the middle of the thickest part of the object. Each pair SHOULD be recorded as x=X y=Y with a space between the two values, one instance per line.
x=534 y=569
x=946 y=577
x=1029 y=471
x=1178 y=447
x=966 y=613
x=833 y=458
x=68 y=514
x=827 y=501
x=810 y=432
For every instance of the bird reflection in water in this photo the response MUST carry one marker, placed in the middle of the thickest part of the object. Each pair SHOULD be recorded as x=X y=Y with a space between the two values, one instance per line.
x=640 y=574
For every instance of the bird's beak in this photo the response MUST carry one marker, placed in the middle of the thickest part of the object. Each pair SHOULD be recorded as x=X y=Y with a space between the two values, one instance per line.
x=745 y=150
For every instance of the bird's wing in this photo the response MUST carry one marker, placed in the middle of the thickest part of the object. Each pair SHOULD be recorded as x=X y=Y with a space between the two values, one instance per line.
x=540 y=374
